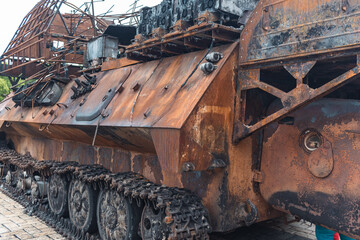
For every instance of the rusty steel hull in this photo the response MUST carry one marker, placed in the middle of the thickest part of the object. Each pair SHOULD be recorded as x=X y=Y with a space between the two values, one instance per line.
x=321 y=186
x=289 y=29
x=159 y=122
x=282 y=49
x=214 y=133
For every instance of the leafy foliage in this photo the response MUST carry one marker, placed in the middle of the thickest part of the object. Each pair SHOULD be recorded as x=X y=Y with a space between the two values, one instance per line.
x=6 y=84
x=4 y=87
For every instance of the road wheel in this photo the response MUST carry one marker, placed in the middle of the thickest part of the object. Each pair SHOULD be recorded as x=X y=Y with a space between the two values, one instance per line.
x=152 y=224
x=58 y=195
x=82 y=206
x=117 y=218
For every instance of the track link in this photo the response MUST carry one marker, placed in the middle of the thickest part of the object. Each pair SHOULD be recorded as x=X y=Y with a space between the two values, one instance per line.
x=185 y=216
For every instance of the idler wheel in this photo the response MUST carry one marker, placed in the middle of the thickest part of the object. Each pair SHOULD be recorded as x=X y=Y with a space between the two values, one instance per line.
x=152 y=224
x=117 y=218
x=58 y=195
x=82 y=206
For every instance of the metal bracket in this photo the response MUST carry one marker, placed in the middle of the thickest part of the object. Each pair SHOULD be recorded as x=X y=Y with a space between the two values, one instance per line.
x=301 y=95
x=300 y=70
x=258 y=176
x=266 y=19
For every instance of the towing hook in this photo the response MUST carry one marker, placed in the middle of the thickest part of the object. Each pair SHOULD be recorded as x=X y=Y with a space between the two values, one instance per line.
x=249 y=213
x=253 y=215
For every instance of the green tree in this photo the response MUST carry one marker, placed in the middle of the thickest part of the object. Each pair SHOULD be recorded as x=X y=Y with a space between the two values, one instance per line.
x=4 y=87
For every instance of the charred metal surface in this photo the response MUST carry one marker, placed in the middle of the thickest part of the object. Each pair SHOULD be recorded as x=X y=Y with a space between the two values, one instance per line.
x=321 y=208
x=206 y=141
x=293 y=28
x=178 y=42
x=172 y=12
x=311 y=168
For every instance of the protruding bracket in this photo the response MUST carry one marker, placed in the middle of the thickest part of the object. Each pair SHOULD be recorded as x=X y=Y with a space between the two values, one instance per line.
x=298 y=97
x=243 y=80
x=258 y=176
x=266 y=19
x=300 y=70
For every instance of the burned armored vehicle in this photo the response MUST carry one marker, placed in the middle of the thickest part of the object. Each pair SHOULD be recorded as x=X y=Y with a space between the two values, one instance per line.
x=217 y=115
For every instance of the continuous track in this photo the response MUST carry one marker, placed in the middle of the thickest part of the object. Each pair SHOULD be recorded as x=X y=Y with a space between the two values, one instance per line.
x=175 y=213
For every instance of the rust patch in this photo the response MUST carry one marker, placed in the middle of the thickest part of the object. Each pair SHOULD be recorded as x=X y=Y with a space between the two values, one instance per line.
x=316 y=182
x=298 y=28
x=321 y=162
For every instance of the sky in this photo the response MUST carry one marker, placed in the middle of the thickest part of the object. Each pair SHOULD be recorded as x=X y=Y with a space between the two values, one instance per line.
x=12 y=12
